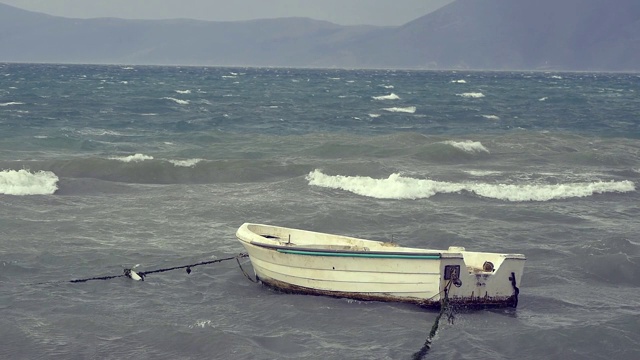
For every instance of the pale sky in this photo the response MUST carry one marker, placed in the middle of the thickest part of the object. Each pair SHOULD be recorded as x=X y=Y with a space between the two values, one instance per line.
x=343 y=12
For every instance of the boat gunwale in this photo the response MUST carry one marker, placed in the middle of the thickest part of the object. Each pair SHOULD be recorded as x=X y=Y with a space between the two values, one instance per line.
x=300 y=250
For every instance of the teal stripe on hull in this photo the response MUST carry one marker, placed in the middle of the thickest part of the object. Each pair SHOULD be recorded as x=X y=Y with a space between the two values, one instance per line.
x=362 y=255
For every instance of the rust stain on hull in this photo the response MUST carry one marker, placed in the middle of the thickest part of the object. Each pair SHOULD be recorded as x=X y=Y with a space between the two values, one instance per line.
x=471 y=302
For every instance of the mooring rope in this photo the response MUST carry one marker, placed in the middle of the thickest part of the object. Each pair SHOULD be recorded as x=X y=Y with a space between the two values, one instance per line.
x=245 y=273
x=145 y=273
x=188 y=267
x=444 y=307
x=516 y=290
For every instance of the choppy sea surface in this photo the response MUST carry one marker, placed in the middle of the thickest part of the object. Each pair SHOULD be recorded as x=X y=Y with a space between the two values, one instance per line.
x=106 y=167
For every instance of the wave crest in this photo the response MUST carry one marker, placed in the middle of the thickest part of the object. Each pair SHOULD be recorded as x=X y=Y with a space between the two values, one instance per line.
x=468 y=146
x=391 y=96
x=474 y=95
x=399 y=187
x=24 y=182
x=185 y=163
x=11 y=103
x=408 y=109
x=132 y=158
x=177 y=101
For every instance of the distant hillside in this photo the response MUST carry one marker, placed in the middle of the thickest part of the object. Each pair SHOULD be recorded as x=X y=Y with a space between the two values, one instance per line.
x=466 y=34
x=517 y=34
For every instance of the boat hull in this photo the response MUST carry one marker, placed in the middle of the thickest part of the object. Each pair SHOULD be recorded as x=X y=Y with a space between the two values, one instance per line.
x=299 y=261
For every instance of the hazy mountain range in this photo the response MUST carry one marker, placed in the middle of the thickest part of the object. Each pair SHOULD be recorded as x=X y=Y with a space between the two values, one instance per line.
x=597 y=35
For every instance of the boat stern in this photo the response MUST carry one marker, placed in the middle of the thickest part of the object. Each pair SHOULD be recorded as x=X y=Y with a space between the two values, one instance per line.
x=475 y=279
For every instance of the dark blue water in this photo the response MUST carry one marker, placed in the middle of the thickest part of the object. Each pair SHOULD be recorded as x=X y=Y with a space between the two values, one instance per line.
x=105 y=167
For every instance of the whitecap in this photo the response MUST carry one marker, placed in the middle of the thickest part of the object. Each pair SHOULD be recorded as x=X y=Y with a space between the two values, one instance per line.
x=537 y=192
x=543 y=99
x=461 y=81
x=394 y=187
x=183 y=91
x=408 y=109
x=24 y=182
x=491 y=117
x=468 y=146
x=132 y=158
x=391 y=96
x=374 y=115
x=11 y=103
x=185 y=163
x=177 y=101
x=399 y=187
x=474 y=95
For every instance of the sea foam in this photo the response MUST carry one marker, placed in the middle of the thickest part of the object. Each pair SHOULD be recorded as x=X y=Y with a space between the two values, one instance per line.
x=177 y=101
x=474 y=95
x=11 y=103
x=391 y=96
x=408 y=109
x=24 y=182
x=132 y=158
x=399 y=187
x=185 y=163
x=468 y=146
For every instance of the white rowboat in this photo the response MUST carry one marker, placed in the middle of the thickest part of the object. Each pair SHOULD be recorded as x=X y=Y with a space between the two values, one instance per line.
x=307 y=262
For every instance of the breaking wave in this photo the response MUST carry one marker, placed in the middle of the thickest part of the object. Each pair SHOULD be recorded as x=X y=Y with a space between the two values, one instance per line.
x=11 y=103
x=177 y=101
x=474 y=95
x=185 y=163
x=391 y=96
x=24 y=182
x=399 y=187
x=408 y=109
x=132 y=158
x=468 y=146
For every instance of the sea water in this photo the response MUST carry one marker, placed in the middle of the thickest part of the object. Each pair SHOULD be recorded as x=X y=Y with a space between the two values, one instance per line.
x=106 y=167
